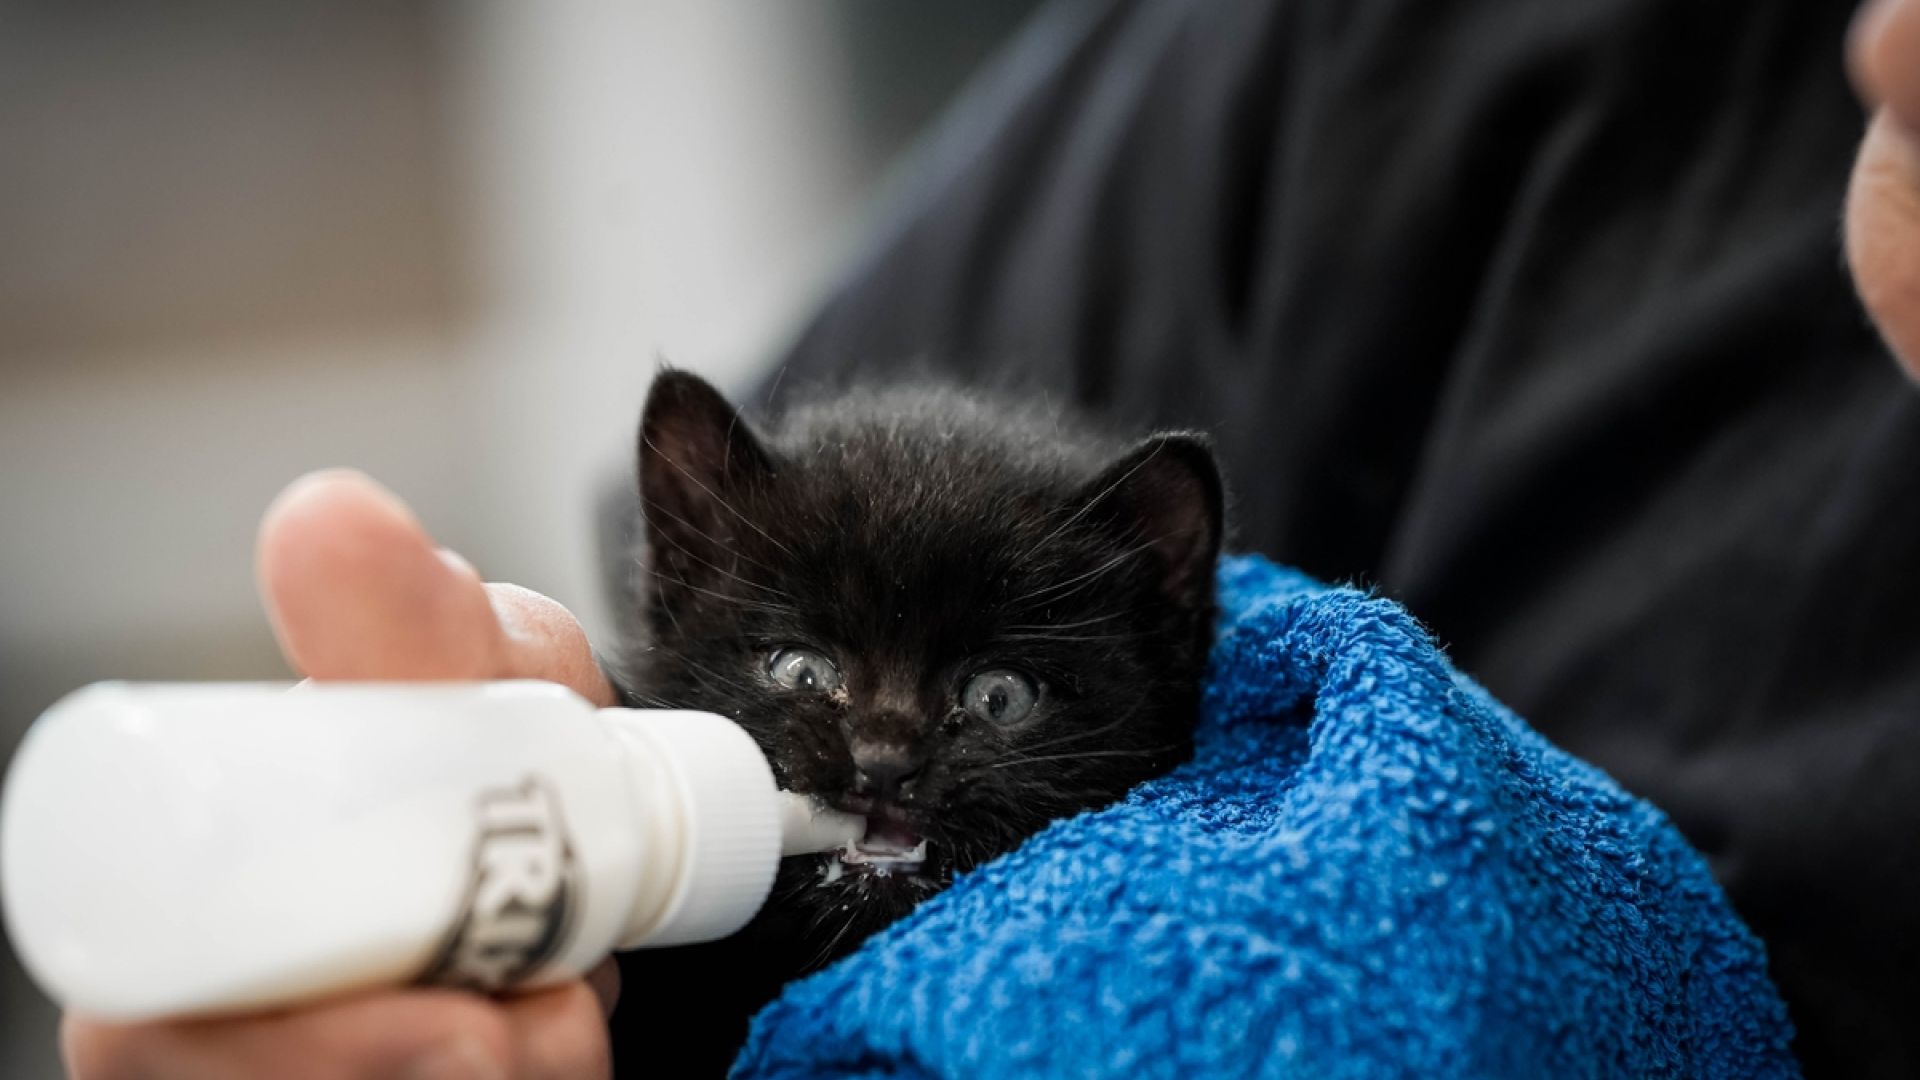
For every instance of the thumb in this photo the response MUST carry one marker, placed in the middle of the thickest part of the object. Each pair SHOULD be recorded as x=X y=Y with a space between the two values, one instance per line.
x=446 y=1034
x=1883 y=199
x=356 y=589
x=1883 y=235
x=1883 y=53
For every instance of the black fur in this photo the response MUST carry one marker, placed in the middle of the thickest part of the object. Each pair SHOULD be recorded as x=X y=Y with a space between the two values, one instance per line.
x=916 y=537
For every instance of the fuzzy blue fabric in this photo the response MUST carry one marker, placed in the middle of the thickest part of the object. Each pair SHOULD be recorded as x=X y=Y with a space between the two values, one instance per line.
x=1369 y=869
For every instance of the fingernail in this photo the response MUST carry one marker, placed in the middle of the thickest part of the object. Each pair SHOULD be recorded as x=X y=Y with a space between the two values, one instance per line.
x=328 y=484
x=1866 y=27
x=457 y=563
x=1881 y=46
x=460 y=1058
x=604 y=981
x=1871 y=16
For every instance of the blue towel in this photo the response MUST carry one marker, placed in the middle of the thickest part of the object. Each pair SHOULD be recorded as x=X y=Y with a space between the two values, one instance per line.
x=1370 y=868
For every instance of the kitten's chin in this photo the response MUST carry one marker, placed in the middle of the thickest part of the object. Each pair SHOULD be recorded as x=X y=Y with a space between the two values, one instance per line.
x=881 y=876
x=891 y=846
x=890 y=849
x=907 y=863
x=878 y=890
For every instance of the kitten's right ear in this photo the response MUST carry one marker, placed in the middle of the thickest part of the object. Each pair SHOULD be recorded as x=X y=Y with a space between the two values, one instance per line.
x=696 y=457
x=1165 y=494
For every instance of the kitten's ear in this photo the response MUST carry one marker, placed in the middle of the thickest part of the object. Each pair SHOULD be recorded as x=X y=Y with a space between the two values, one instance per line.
x=1166 y=493
x=696 y=455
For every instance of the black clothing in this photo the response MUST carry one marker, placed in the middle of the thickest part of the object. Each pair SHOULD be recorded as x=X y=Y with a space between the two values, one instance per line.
x=1532 y=315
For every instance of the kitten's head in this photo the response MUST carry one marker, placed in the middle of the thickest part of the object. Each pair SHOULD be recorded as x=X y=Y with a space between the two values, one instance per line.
x=949 y=614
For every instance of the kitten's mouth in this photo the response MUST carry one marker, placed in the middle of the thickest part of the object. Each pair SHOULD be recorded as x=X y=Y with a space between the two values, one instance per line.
x=891 y=846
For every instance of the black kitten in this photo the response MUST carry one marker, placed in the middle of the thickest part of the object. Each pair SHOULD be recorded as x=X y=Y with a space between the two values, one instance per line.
x=953 y=615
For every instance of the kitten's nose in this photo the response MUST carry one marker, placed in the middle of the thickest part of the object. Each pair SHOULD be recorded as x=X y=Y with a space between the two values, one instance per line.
x=882 y=769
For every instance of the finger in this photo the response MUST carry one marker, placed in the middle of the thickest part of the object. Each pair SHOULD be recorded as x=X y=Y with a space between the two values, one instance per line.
x=604 y=981
x=442 y=1034
x=1883 y=53
x=559 y=1034
x=542 y=640
x=1883 y=235
x=356 y=589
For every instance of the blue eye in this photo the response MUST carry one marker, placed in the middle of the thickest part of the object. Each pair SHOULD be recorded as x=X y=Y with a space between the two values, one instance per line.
x=999 y=696
x=803 y=669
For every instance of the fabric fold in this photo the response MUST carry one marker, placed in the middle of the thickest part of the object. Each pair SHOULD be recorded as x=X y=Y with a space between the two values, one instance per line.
x=1369 y=868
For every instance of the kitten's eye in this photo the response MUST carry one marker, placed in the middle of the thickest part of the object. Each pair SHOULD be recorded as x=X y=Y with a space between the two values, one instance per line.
x=999 y=696
x=803 y=669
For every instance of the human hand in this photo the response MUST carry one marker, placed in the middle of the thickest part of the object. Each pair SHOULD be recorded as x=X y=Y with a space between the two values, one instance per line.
x=356 y=589
x=1883 y=201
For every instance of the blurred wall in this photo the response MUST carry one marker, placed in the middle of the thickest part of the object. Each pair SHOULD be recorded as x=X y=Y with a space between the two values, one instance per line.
x=447 y=244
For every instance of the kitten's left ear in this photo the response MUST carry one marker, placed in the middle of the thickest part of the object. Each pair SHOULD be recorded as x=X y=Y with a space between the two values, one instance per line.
x=1166 y=492
x=696 y=456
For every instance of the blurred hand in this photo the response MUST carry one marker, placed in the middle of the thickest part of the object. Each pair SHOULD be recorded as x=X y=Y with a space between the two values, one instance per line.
x=357 y=590
x=1883 y=204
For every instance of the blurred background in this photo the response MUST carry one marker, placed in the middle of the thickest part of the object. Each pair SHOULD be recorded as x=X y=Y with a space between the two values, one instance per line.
x=446 y=244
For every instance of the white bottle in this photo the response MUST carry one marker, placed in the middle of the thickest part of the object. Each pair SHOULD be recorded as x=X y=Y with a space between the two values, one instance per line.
x=185 y=849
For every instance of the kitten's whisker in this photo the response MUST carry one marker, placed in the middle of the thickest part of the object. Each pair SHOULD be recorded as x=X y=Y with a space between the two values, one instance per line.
x=826 y=952
x=730 y=575
x=742 y=601
x=1077 y=736
x=1088 y=506
x=774 y=388
x=707 y=684
x=1081 y=581
x=1097 y=619
x=649 y=701
x=1078 y=639
x=713 y=680
x=715 y=496
x=679 y=654
x=1084 y=756
x=702 y=534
